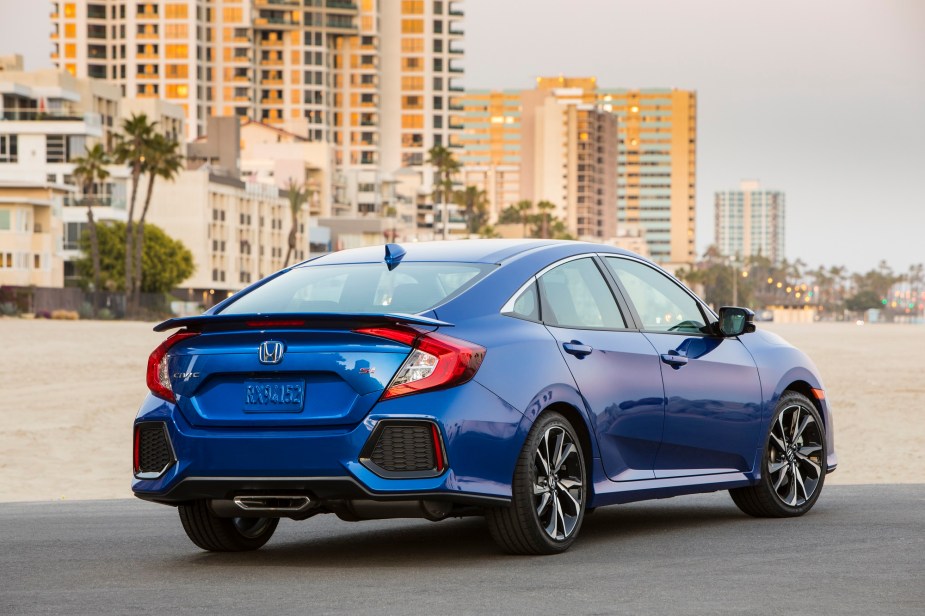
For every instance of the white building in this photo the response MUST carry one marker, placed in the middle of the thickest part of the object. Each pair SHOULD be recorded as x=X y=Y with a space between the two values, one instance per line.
x=751 y=221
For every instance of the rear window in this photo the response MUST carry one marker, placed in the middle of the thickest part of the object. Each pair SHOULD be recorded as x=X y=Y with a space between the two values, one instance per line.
x=362 y=288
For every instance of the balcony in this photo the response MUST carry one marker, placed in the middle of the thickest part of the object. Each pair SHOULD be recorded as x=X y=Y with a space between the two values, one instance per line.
x=277 y=2
x=21 y=114
x=344 y=24
x=343 y=5
x=113 y=202
x=275 y=21
x=456 y=50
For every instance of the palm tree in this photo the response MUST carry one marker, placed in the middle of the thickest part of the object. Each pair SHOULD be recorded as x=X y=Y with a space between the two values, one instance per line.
x=90 y=169
x=297 y=193
x=446 y=167
x=523 y=208
x=545 y=208
x=131 y=148
x=162 y=160
x=475 y=205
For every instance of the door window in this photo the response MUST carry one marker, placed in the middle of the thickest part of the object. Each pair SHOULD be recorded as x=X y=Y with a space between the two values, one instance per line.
x=662 y=304
x=576 y=295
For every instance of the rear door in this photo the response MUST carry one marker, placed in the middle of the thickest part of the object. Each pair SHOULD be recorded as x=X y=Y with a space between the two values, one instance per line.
x=713 y=411
x=614 y=366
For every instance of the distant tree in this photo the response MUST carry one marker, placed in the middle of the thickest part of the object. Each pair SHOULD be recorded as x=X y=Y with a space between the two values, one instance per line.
x=89 y=170
x=863 y=300
x=165 y=262
x=162 y=160
x=445 y=167
x=544 y=219
x=297 y=193
x=132 y=145
x=474 y=202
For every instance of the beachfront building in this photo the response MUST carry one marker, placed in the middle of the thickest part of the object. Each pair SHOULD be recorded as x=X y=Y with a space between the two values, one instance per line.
x=378 y=80
x=491 y=146
x=30 y=233
x=657 y=168
x=569 y=158
x=750 y=221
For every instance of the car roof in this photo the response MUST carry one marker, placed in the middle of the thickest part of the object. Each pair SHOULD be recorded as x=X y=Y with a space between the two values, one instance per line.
x=460 y=251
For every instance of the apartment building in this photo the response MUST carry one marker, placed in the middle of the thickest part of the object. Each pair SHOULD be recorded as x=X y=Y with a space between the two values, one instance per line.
x=750 y=221
x=570 y=159
x=378 y=79
x=491 y=146
x=657 y=168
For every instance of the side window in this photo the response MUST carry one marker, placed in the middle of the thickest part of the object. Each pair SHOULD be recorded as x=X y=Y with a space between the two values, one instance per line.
x=661 y=303
x=527 y=305
x=575 y=294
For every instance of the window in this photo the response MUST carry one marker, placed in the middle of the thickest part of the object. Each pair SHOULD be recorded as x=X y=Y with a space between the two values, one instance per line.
x=575 y=295
x=176 y=11
x=9 y=150
x=5 y=222
x=527 y=305
x=412 y=26
x=177 y=51
x=56 y=149
x=368 y=288
x=662 y=304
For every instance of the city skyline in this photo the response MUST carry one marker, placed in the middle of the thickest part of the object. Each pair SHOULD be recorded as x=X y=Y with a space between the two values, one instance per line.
x=821 y=101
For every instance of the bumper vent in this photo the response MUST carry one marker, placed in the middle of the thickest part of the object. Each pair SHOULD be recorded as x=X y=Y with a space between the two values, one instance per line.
x=404 y=449
x=153 y=451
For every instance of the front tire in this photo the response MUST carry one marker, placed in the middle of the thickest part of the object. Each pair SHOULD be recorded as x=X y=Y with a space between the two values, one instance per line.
x=793 y=467
x=215 y=534
x=548 y=492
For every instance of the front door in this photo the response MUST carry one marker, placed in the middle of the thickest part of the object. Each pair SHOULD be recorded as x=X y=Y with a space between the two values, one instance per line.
x=712 y=390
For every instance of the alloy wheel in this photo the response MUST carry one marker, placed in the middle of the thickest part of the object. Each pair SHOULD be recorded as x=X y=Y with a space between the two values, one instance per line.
x=558 y=483
x=795 y=454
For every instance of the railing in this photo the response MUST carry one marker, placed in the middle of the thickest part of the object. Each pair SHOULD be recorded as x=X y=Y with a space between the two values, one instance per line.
x=21 y=114
x=340 y=4
x=113 y=202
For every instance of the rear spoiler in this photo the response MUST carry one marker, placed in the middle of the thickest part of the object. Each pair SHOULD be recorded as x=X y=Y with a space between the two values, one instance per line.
x=323 y=320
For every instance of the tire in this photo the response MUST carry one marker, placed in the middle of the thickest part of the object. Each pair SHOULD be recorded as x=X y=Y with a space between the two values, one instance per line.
x=547 y=508
x=215 y=534
x=793 y=466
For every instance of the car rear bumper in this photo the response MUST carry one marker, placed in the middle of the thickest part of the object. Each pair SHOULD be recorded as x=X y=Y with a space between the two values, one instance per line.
x=481 y=434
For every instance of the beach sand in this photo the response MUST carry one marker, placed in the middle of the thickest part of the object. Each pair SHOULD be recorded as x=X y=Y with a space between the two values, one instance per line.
x=69 y=391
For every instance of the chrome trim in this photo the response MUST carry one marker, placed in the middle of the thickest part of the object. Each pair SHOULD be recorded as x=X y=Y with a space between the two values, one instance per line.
x=508 y=306
x=257 y=503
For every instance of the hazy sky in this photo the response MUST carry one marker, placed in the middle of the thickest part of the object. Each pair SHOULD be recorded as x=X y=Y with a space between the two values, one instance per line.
x=824 y=100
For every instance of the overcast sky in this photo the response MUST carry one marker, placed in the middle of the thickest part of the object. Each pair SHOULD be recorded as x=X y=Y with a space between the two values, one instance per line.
x=824 y=100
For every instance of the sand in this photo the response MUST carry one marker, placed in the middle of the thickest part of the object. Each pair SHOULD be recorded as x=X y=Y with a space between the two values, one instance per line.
x=70 y=389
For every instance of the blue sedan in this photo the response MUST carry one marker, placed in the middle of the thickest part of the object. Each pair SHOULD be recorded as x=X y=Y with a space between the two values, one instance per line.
x=528 y=382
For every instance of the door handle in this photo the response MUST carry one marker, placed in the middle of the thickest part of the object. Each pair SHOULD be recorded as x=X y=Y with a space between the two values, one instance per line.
x=577 y=349
x=674 y=360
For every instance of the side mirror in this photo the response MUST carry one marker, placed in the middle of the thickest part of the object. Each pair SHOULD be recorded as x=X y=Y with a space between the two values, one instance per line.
x=735 y=321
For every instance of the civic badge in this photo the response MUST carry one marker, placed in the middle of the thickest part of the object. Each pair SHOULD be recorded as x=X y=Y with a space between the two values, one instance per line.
x=271 y=352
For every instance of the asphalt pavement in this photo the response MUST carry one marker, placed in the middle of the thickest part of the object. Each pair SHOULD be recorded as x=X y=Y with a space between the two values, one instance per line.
x=860 y=551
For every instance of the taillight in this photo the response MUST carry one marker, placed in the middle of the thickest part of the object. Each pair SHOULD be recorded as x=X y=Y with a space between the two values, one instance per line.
x=158 y=376
x=435 y=361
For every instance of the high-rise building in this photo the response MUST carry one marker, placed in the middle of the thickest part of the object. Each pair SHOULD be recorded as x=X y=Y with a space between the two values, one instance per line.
x=750 y=221
x=657 y=168
x=491 y=146
x=375 y=78
x=569 y=158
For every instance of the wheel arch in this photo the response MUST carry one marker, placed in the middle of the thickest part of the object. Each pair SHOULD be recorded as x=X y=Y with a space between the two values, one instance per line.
x=802 y=387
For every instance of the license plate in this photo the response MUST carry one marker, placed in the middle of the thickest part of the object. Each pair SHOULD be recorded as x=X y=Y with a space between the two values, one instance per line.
x=274 y=396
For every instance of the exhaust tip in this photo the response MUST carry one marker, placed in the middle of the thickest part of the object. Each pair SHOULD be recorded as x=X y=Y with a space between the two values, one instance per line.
x=273 y=504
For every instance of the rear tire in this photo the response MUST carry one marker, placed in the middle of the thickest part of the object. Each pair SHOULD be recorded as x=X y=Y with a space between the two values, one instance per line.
x=793 y=466
x=215 y=534
x=548 y=493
